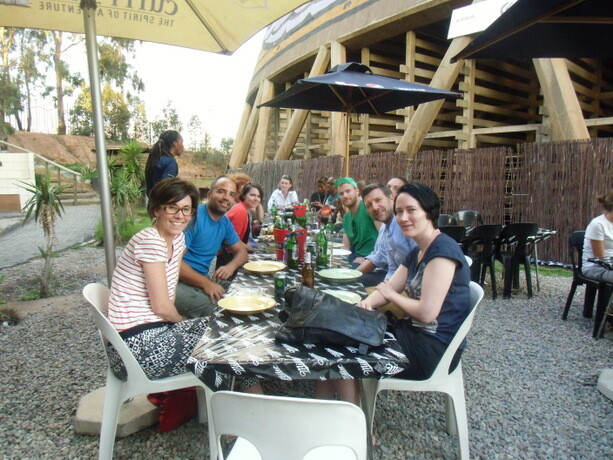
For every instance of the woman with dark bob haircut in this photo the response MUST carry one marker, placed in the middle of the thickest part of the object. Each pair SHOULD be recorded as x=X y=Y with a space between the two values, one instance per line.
x=141 y=302
x=434 y=275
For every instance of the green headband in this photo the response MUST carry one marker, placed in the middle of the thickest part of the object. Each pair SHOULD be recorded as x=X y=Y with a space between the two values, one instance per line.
x=345 y=180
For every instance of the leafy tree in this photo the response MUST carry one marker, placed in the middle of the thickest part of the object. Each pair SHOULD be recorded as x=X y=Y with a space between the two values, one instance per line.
x=194 y=129
x=140 y=125
x=30 y=54
x=46 y=206
x=169 y=120
x=9 y=91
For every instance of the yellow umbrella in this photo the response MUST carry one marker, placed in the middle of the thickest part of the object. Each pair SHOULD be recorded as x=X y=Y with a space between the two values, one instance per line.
x=219 y=26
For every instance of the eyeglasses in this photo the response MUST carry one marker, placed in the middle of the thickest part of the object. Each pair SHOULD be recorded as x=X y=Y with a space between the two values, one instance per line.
x=174 y=209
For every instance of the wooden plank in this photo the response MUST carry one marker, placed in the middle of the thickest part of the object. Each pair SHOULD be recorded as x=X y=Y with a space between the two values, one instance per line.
x=245 y=143
x=338 y=129
x=299 y=116
x=566 y=116
x=234 y=157
x=495 y=109
x=261 y=134
x=599 y=121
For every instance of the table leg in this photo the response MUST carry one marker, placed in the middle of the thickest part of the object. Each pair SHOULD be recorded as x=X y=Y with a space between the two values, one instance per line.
x=536 y=267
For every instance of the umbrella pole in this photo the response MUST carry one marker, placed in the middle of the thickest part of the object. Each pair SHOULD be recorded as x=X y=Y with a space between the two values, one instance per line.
x=347 y=138
x=89 y=18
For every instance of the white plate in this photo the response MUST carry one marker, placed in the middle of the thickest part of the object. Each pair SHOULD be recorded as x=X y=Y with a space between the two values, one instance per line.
x=340 y=252
x=340 y=275
x=350 y=297
x=264 y=266
x=246 y=304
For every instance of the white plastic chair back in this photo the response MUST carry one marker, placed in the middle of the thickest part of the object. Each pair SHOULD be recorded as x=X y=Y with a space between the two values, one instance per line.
x=441 y=380
x=118 y=391
x=283 y=428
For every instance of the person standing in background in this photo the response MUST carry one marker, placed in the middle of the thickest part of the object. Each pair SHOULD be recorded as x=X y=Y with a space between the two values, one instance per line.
x=161 y=163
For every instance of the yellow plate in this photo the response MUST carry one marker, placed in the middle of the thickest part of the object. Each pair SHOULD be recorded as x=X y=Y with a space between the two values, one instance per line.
x=264 y=266
x=246 y=304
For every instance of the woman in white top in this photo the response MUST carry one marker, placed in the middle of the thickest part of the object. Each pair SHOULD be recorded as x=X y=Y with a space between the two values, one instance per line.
x=598 y=241
x=141 y=302
x=285 y=196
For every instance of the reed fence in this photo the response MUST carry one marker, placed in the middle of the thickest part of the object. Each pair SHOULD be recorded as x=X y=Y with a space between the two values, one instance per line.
x=554 y=184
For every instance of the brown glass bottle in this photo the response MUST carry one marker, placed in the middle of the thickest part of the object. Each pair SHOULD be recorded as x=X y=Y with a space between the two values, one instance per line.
x=308 y=271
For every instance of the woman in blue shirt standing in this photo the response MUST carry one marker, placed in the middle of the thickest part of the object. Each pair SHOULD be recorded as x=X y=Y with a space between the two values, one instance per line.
x=161 y=163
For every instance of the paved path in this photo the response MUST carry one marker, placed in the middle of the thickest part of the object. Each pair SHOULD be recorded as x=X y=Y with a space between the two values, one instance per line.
x=19 y=244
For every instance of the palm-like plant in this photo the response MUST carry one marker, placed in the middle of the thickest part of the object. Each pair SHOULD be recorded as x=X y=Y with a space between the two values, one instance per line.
x=46 y=205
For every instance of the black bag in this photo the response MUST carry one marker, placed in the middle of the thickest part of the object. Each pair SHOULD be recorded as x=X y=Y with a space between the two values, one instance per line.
x=320 y=318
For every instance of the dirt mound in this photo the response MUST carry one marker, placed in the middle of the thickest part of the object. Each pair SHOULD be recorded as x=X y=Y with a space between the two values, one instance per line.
x=80 y=149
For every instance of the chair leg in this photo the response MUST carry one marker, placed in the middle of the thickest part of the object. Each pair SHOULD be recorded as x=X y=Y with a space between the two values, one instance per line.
x=569 y=300
x=588 y=301
x=110 y=415
x=528 y=275
x=493 y=278
x=604 y=294
x=202 y=411
x=508 y=276
x=455 y=403
x=369 y=401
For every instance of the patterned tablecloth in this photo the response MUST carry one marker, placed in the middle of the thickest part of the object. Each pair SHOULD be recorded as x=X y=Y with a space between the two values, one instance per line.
x=244 y=345
x=606 y=262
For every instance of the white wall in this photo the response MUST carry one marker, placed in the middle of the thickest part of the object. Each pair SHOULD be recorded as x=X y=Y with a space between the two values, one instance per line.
x=16 y=167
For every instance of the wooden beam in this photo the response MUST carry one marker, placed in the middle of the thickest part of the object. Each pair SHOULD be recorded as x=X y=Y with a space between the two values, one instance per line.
x=425 y=114
x=240 y=134
x=238 y=160
x=560 y=97
x=261 y=135
x=338 y=135
x=299 y=116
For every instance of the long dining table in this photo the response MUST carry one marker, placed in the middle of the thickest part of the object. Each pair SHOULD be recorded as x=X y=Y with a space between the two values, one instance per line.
x=243 y=345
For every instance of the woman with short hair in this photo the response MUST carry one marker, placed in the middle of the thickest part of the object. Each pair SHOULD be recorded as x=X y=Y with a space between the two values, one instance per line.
x=598 y=241
x=141 y=301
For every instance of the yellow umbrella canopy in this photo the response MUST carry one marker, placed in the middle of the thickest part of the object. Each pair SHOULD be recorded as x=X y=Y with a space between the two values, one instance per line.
x=219 y=26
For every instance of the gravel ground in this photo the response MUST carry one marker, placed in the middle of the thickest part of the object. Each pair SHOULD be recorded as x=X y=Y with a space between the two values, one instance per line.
x=530 y=382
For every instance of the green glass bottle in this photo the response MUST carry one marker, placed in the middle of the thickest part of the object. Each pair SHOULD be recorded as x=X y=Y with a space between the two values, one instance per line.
x=291 y=250
x=274 y=212
x=322 y=249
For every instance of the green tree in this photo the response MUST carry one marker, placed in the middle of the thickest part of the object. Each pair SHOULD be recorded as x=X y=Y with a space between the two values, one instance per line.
x=169 y=120
x=9 y=90
x=140 y=125
x=30 y=54
x=46 y=206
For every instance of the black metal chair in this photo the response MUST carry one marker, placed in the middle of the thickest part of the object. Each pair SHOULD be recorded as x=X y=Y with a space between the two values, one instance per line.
x=479 y=244
x=468 y=218
x=514 y=247
x=575 y=251
x=446 y=219
x=457 y=232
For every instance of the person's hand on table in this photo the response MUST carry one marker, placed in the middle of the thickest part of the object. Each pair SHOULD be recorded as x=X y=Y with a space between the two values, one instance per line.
x=224 y=272
x=214 y=291
x=359 y=260
x=365 y=304
x=385 y=289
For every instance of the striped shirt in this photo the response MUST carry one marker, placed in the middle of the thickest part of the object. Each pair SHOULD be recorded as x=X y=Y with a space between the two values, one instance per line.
x=129 y=303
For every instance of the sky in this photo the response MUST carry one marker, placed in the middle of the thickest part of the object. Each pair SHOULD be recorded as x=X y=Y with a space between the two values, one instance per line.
x=209 y=85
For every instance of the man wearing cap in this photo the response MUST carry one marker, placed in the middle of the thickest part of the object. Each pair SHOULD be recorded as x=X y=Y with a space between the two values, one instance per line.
x=361 y=230
x=392 y=246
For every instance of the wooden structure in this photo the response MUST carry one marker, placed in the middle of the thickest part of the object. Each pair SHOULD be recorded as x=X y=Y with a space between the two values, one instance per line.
x=504 y=103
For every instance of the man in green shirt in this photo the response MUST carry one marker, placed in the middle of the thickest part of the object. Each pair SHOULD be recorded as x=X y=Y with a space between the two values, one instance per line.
x=361 y=230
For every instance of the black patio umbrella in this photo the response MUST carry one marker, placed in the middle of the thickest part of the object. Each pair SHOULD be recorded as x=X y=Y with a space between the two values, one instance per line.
x=353 y=88
x=547 y=29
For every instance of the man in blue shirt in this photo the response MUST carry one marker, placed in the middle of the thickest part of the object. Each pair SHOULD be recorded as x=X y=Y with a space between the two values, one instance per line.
x=392 y=246
x=197 y=293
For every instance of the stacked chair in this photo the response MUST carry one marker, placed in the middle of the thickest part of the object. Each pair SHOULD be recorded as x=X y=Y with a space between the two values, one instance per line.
x=480 y=246
x=468 y=218
x=514 y=248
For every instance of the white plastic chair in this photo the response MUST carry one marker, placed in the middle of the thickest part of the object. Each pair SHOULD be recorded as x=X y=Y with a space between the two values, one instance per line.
x=452 y=384
x=117 y=391
x=283 y=428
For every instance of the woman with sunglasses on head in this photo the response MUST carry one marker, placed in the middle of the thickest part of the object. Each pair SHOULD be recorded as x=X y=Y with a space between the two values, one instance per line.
x=285 y=196
x=161 y=162
x=141 y=302
x=435 y=277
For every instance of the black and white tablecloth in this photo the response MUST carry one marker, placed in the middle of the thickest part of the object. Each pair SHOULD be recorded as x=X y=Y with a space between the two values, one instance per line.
x=244 y=345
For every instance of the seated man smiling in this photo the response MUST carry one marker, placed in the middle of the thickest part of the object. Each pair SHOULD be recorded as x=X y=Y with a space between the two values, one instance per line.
x=197 y=293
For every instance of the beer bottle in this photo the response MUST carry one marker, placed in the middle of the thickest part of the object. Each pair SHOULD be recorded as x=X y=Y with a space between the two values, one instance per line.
x=278 y=222
x=322 y=249
x=308 y=271
x=291 y=250
x=274 y=212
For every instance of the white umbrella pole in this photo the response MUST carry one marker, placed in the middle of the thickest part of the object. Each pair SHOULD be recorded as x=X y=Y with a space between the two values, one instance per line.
x=89 y=11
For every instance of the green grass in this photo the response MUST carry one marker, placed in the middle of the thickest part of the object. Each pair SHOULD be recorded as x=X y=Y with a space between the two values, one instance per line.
x=544 y=271
x=33 y=294
x=128 y=229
